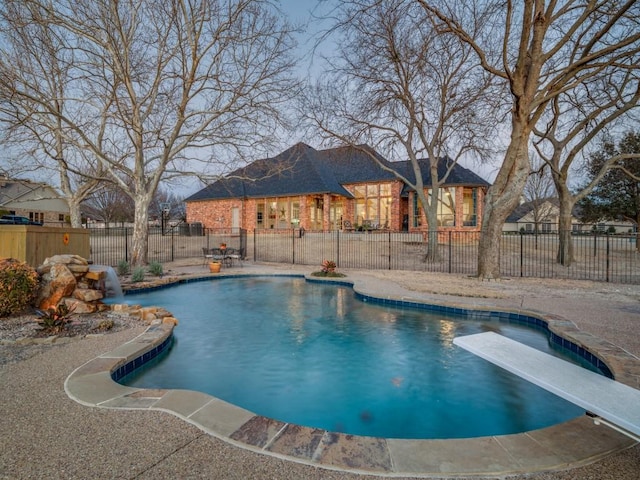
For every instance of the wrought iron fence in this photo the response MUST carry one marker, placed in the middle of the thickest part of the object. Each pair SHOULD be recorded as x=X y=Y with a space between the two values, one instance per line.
x=597 y=255
x=110 y=246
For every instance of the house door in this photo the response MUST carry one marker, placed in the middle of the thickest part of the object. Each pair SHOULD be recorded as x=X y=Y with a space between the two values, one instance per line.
x=235 y=220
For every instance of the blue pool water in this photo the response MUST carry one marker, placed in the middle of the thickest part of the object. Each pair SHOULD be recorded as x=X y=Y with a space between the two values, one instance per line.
x=313 y=354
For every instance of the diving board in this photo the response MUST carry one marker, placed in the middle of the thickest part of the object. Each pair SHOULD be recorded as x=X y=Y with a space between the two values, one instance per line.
x=613 y=401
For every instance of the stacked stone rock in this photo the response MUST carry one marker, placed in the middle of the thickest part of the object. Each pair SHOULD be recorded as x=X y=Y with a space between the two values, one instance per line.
x=67 y=279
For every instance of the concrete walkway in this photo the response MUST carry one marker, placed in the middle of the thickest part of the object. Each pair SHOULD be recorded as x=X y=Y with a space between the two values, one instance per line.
x=44 y=434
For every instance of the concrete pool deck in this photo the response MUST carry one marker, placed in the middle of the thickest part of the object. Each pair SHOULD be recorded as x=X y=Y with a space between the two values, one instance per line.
x=39 y=422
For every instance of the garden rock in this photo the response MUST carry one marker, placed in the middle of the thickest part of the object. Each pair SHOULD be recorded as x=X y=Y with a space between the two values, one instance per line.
x=58 y=283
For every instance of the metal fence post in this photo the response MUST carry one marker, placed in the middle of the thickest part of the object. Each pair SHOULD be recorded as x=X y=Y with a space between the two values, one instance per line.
x=126 y=244
x=607 y=265
x=293 y=246
x=522 y=254
x=172 y=247
x=389 y=244
x=337 y=247
x=450 y=250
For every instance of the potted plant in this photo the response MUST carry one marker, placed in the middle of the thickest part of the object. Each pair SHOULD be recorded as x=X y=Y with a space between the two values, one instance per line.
x=223 y=246
x=214 y=267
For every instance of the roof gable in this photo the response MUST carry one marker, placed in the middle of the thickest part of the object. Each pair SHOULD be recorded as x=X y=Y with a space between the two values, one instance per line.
x=524 y=211
x=295 y=171
x=458 y=175
x=18 y=193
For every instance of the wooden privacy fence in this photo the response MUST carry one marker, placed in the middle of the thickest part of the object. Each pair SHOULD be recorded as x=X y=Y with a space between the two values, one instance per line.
x=32 y=244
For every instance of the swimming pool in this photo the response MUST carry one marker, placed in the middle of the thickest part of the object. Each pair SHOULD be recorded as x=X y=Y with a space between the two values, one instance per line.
x=314 y=354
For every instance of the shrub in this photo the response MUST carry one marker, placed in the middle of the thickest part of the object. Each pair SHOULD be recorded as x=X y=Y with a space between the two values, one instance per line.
x=155 y=269
x=137 y=275
x=328 y=266
x=105 y=325
x=328 y=270
x=123 y=268
x=54 y=320
x=18 y=286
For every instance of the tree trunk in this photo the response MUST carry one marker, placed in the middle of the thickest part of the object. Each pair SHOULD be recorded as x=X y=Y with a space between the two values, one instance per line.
x=502 y=197
x=75 y=216
x=432 y=253
x=140 y=241
x=565 y=240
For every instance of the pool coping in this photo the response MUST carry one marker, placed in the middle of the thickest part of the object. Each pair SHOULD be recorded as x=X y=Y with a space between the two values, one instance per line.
x=566 y=445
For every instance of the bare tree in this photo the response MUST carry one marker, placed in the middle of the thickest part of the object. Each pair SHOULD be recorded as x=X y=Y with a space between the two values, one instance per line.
x=573 y=124
x=540 y=48
x=402 y=89
x=109 y=204
x=157 y=85
x=43 y=60
x=540 y=193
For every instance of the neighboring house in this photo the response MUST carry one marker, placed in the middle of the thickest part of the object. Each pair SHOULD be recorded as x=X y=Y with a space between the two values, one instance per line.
x=335 y=189
x=535 y=216
x=541 y=216
x=38 y=202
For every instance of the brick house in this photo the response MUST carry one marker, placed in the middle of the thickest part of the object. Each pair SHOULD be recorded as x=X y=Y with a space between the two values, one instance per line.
x=335 y=189
x=38 y=202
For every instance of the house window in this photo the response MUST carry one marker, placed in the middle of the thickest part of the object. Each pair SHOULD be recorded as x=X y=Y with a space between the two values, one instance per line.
x=417 y=211
x=283 y=214
x=445 y=210
x=36 y=217
x=373 y=204
x=446 y=207
x=61 y=217
x=470 y=207
x=272 y=214
x=277 y=213
x=260 y=215
x=295 y=214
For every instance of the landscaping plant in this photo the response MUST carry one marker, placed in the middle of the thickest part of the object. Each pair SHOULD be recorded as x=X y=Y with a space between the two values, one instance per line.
x=137 y=275
x=123 y=268
x=328 y=270
x=18 y=286
x=155 y=269
x=328 y=266
x=53 y=320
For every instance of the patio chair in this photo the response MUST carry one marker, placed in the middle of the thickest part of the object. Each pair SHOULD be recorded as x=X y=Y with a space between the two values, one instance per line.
x=235 y=254
x=207 y=255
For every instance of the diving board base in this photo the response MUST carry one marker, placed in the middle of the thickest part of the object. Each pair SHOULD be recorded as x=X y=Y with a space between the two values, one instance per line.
x=603 y=397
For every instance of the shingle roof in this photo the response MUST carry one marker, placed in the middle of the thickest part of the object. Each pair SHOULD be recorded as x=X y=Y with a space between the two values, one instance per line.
x=302 y=169
x=14 y=189
x=526 y=207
